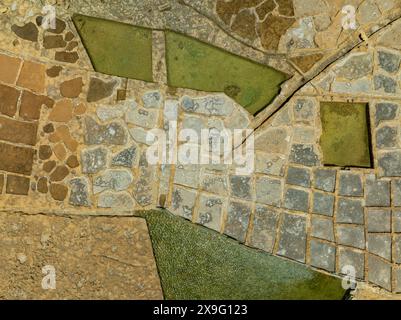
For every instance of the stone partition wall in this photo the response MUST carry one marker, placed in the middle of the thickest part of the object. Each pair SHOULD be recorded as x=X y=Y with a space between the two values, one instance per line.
x=75 y=141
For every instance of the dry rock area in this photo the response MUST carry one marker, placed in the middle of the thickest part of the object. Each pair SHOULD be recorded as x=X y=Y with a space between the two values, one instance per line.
x=89 y=257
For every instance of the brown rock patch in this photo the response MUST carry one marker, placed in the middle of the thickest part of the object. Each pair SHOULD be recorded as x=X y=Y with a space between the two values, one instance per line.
x=59 y=174
x=8 y=100
x=58 y=191
x=42 y=185
x=49 y=166
x=54 y=42
x=69 y=57
x=45 y=152
x=72 y=162
x=17 y=185
x=32 y=76
x=9 y=67
x=54 y=72
x=99 y=89
x=31 y=104
x=71 y=88
x=27 y=32
x=18 y=131
x=62 y=111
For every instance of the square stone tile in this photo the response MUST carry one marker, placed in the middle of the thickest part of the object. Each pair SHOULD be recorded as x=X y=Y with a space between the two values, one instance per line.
x=238 y=220
x=322 y=229
x=264 y=231
x=299 y=177
x=378 y=220
x=397 y=249
x=215 y=183
x=241 y=187
x=292 y=243
x=351 y=236
x=323 y=203
x=271 y=164
x=397 y=280
x=8 y=100
x=269 y=191
x=380 y=244
x=324 y=179
x=304 y=154
x=9 y=67
x=350 y=184
x=183 y=202
x=354 y=259
x=187 y=175
x=397 y=221
x=210 y=211
x=323 y=255
x=379 y=272
x=350 y=211
x=377 y=192
x=396 y=190
x=297 y=200
x=32 y=76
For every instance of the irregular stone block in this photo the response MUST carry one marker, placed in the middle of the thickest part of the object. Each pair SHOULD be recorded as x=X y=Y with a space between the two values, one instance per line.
x=115 y=180
x=273 y=140
x=352 y=258
x=355 y=66
x=9 y=69
x=322 y=229
x=304 y=110
x=385 y=112
x=111 y=134
x=389 y=62
x=94 y=160
x=324 y=179
x=299 y=177
x=304 y=155
x=377 y=192
x=268 y=191
x=58 y=191
x=216 y=105
x=31 y=105
x=351 y=236
x=183 y=202
x=241 y=187
x=350 y=211
x=380 y=245
x=125 y=158
x=27 y=32
x=144 y=186
x=32 y=76
x=141 y=117
x=264 y=228
x=292 y=243
x=210 y=212
x=71 y=88
x=323 y=255
x=140 y=135
x=386 y=84
x=378 y=220
x=152 y=99
x=106 y=113
x=390 y=164
x=350 y=185
x=379 y=272
x=79 y=195
x=323 y=204
x=99 y=89
x=397 y=280
x=121 y=200
x=387 y=137
x=238 y=215
x=295 y=199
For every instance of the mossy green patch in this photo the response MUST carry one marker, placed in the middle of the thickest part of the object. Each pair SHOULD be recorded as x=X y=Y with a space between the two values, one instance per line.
x=197 y=65
x=116 y=48
x=345 y=139
x=197 y=263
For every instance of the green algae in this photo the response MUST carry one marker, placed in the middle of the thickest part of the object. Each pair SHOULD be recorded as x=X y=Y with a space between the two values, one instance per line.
x=198 y=263
x=345 y=139
x=196 y=65
x=116 y=48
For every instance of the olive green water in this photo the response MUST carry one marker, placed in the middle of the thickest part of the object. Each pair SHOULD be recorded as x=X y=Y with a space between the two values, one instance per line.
x=345 y=136
x=116 y=48
x=197 y=263
x=197 y=65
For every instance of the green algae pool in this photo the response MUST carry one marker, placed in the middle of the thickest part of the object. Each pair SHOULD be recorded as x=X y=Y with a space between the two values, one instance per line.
x=345 y=139
x=197 y=263
x=196 y=65
x=116 y=48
